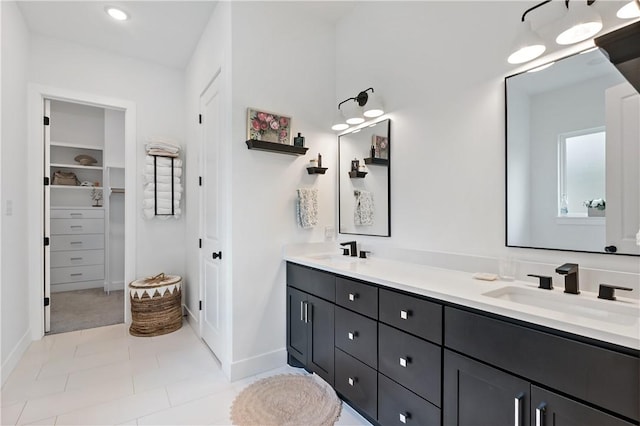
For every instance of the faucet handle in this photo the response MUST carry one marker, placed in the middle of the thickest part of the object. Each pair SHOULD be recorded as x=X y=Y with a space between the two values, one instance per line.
x=345 y=251
x=546 y=283
x=606 y=291
x=363 y=254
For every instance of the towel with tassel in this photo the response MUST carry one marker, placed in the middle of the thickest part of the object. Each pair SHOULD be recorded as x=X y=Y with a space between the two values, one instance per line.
x=307 y=207
x=363 y=213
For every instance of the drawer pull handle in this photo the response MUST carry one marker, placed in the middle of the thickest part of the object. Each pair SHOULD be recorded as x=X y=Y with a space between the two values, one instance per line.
x=517 y=416
x=75 y=258
x=352 y=381
x=404 y=417
x=352 y=297
x=78 y=274
x=404 y=315
x=75 y=242
x=76 y=226
x=540 y=414
x=75 y=214
x=302 y=311
x=352 y=335
x=404 y=362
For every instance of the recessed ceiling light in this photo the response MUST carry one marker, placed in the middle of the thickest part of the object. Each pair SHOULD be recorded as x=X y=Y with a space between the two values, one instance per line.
x=117 y=14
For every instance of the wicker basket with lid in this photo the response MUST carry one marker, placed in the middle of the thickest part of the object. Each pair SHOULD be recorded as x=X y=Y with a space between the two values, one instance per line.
x=156 y=305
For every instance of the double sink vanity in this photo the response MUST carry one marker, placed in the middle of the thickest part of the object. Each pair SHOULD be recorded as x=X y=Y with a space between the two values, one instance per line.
x=405 y=343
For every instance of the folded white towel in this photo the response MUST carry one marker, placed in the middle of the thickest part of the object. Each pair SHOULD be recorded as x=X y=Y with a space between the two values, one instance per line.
x=163 y=153
x=160 y=179
x=163 y=161
x=165 y=213
x=307 y=207
x=363 y=212
x=162 y=171
x=163 y=144
x=162 y=204
x=162 y=195
x=163 y=187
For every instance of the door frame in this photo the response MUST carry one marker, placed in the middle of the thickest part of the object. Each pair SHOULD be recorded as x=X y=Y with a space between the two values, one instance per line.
x=35 y=175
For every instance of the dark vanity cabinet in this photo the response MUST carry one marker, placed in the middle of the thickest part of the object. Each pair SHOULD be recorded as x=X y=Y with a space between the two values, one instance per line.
x=310 y=320
x=404 y=359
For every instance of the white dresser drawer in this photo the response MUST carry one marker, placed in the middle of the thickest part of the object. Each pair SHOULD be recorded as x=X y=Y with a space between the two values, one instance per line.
x=77 y=273
x=77 y=213
x=77 y=242
x=77 y=258
x=77 y=226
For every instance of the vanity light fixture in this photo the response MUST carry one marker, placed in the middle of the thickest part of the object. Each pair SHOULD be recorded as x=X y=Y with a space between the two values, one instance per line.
x=117 y=14
x=364 y=105
x=581 y=21
x=528 y=45
x=630 y=10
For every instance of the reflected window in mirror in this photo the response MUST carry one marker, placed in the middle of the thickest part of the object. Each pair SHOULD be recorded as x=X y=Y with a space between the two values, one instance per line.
x=364 y=191
x=573 y=135
x=582 y=170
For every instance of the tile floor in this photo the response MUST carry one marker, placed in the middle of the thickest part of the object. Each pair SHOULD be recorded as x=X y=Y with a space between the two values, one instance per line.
x=105 y=376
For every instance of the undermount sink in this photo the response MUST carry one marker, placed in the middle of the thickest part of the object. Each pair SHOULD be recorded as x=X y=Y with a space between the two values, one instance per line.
x=334 y=258
x=615 y=312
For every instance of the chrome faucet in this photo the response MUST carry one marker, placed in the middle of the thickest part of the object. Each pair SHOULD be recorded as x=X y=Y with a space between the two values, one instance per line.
x=571 y=281
x=353 y=250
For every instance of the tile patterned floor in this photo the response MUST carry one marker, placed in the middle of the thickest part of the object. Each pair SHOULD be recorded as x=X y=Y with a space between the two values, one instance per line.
x=105 y=376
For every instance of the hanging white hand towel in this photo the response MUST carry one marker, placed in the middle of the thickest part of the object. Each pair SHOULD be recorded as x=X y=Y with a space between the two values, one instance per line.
x=307 y=207
x=363 y=212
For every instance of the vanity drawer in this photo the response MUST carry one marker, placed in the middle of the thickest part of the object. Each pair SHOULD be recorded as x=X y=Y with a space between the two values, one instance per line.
x=77 y=226
x=357 y=335
x=77 y=273
x=398 y=406
x=411 y=314
x=357 y=383
x=357 y=296
x=77 y=213
x=603 y=377
x=312 y=281
x=76 y=258
x=77 y=242
x=410 y=361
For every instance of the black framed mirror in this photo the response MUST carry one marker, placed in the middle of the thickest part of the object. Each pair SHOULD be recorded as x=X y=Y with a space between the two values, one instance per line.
x=573 y=157
x=364 y=180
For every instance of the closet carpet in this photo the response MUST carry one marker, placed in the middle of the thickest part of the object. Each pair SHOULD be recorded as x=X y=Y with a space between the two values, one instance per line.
x=82 y=309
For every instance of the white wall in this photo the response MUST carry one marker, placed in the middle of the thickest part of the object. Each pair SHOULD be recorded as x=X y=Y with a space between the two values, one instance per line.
x=570 y=109
x=283 y=61
x=158 y=93
x=444 y=90
x=14 y=290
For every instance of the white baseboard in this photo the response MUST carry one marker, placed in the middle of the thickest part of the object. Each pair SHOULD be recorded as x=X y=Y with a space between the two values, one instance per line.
x=191 y=318
x=14 y=356
x=258 y=364
x=82 y=285
x=115 y=285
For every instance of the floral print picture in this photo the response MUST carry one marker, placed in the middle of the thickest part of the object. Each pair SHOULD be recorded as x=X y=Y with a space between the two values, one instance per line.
x=268 y=127
x=381 y=145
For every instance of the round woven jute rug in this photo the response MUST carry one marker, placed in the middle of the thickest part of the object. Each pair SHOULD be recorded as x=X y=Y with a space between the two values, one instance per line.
x=286 y=399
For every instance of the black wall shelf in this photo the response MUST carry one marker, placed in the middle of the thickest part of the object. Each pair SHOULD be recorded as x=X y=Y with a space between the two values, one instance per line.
x=356 y=174
x=376 y=161
x=276 y=147
x=316 y=170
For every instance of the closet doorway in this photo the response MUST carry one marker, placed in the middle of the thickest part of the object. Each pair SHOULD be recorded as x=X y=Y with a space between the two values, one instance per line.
x=84 y=215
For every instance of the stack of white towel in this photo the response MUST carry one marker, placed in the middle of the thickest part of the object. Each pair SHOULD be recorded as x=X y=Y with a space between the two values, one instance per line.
x=160 y=155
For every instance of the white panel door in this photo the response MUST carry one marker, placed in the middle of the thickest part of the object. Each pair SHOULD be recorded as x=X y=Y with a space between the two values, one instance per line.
x=47 y=215
x=213 y=286
x=623 y=167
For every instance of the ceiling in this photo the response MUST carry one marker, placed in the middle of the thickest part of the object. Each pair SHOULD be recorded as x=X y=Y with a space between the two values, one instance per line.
x=164 y=32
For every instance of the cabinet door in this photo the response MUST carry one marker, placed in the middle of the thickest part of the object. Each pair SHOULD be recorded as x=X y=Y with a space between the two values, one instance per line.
x=320 y=354
x=477 y=395
x=550 y=409
x=296 y=325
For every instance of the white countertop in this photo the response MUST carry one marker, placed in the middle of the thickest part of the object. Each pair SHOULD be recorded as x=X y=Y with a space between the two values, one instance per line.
x=462 y=289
